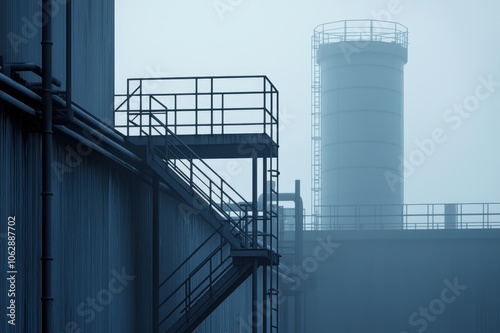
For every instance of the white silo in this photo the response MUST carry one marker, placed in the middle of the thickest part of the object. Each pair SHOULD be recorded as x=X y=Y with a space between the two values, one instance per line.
x=360 y=66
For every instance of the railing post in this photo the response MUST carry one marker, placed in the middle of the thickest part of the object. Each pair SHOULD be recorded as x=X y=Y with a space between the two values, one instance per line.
x=128 y=107
x=196 y=106
x=254 y=200
x=211 y=105
x=396 y=32
x=264 y=105
x=222 y=112
x=140 y=107
x=175 y=114
x=371 y=30
x=149 y=113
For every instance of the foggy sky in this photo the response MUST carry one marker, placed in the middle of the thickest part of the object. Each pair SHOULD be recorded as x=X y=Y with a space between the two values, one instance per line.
x=451 y=46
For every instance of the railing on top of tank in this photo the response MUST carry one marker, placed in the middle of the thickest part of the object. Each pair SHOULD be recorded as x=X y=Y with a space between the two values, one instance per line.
x=407 y=216
x=362 y=30
x=199 y=105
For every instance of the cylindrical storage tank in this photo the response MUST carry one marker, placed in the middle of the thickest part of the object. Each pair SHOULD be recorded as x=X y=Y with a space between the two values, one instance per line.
x=361 y=69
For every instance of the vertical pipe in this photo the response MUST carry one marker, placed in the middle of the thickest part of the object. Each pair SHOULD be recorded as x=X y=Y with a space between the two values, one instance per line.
x=255 y=310
x=47 y=299
x=299 y=249
x=156 y=254
x=254 y=200
x=69 y=110
x=265 y=298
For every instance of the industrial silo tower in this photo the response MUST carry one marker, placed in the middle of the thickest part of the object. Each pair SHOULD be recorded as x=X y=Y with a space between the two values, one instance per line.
x=357 y=123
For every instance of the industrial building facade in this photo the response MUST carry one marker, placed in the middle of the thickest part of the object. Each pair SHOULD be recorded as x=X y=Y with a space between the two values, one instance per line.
x=142 y=235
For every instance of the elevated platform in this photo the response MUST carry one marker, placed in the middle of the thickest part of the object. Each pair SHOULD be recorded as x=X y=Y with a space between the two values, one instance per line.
x=215 y=146
x=265 y=257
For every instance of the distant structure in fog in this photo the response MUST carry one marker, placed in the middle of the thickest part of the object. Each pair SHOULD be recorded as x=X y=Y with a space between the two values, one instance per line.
x=357 y=121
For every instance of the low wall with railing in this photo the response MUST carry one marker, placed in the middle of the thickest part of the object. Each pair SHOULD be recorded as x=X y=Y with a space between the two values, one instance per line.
x=408 y=217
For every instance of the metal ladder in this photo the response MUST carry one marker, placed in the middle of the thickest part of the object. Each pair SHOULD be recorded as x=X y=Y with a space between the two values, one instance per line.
x=315 y=128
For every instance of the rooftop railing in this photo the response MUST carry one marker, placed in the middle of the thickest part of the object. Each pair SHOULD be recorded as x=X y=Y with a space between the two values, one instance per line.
x=362 y=30
x=407 y=217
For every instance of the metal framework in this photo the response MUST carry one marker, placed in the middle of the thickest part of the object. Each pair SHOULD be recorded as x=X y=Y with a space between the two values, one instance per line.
x=165 y=111
x=198 y=105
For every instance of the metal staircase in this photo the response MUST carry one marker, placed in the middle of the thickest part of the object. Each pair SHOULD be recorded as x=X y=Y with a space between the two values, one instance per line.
x=245 y=235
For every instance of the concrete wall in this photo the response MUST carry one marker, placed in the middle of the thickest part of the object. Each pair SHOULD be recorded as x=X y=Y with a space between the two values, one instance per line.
x=400 y=281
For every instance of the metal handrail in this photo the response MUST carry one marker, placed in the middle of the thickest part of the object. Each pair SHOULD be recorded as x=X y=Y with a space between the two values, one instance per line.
x=209 y=107
x=407 y=217
x=190 y=178
x=214 y=275
x=362 y=30
x=153 y=117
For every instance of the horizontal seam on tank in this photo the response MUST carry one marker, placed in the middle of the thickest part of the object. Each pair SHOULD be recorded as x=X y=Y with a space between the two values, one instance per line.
x=352 y=65
x=362 y=87
x=359 y=110
x=362 y=141
x=361 y=167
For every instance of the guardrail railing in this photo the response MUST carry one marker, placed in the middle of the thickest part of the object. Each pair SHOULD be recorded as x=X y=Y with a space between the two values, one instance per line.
x=362 y=30
x=199 y=105
x=407 y=216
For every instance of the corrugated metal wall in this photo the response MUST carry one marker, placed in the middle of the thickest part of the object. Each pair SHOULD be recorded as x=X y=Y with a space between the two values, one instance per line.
x=102 y=227
x=182 y=231
x=93 y=46
x=19 y=197
x=102 y=213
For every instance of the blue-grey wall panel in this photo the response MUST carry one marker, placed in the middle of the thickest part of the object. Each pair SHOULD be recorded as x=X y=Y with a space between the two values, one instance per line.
x=389 y=281
x=102 y=240
x=93 y=47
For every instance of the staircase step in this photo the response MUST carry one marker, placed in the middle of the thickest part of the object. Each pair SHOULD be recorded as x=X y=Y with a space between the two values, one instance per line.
x=212 y=298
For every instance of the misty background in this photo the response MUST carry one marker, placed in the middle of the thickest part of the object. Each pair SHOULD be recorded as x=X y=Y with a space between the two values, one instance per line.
x=451 y=46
